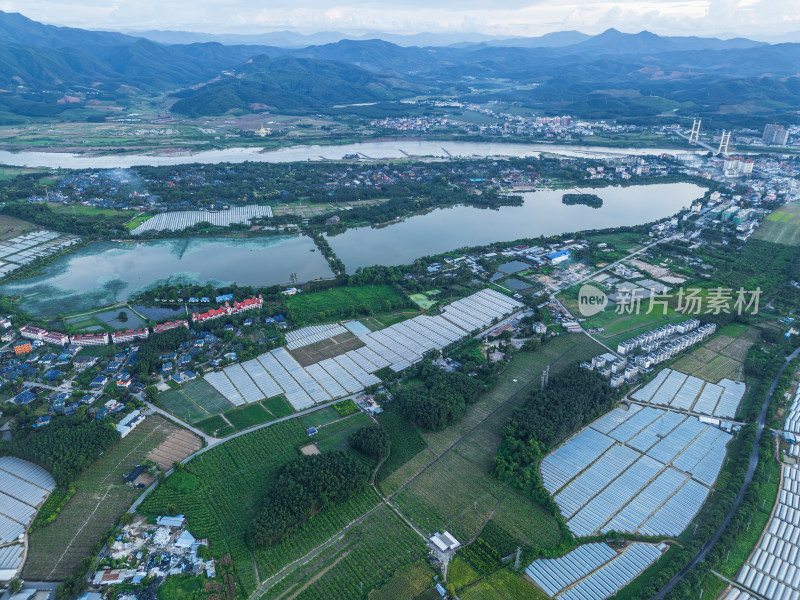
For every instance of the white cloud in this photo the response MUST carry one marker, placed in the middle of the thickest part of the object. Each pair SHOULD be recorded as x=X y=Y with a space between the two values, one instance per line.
x=512 y=17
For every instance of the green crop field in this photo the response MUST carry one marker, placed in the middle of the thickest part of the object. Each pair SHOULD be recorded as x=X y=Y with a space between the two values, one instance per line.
x=135 y=222
x=460 y=573
x=232 y=477
x=319 y=418
x=502 y=585
x=212 y=424
x=335 y=436
x=278 y=407
x=422 y=300
x=459 y=459
x=206 y=396
x=720 y=357
x=413 y=580
x=57 y=550
x=196 y=401
x=405 y=441
x=781 y=226
x=368 y=557
x=343 y=302
x=180 y=405
x=248 y=416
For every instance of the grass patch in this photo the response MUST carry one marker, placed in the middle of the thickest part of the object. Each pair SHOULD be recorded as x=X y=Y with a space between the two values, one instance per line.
x=408 y=582
x=211 y=424
x=336 y=435
x=405 y=442
x=247 y=416
x=460 y=573
x=343 y=302
x=345 y=408
x=319 y=418
x=134 y=223
x=503 y=585
x=422 y=301
x=278 y=407
x=181 y=587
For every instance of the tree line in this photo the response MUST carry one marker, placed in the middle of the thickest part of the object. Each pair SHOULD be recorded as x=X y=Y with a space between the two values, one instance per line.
x=573 y=399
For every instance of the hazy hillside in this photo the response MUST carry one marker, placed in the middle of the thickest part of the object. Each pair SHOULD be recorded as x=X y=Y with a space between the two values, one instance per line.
x=289 y=82
x=610 y=75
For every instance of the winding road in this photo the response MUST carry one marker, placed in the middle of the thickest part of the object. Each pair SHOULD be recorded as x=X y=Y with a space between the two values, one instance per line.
x=751 y=469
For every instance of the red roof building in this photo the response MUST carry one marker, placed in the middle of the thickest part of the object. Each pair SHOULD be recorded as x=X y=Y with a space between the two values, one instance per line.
x=227 y=309
x=162 y=327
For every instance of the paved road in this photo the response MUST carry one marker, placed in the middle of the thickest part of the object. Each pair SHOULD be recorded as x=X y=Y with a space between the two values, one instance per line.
x=751 y=469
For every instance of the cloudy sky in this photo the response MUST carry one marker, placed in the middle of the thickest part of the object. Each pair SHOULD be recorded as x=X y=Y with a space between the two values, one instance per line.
x=762 y=18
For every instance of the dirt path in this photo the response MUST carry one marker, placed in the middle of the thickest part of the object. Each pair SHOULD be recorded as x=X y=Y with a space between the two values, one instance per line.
x=313 y=580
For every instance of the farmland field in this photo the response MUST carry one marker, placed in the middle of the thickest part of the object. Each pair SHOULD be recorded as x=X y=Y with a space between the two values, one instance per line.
x=278 y=407
x=232 y=478
x=422 y=300
x=329 y=348
x=459 y=459
x=414 y=579
x=196 y=401
x=343 y=302
x=318 y=418
x=335 y=436
x=102 y=496
x=366 y=558
x=781 y=226
x=248 y=416
x=405 y=441
x=720 y=357
x=359 y=545
x=502 y=585
x=212 y=424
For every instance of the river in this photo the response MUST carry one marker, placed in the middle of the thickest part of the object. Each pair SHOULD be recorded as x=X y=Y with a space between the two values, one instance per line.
x=542 y=213
x=376 y=150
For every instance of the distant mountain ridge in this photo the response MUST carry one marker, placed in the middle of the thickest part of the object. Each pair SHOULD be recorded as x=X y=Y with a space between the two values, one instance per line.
x=610 y=75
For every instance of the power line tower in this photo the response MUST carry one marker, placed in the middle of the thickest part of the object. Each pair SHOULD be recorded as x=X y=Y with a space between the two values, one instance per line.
x=694 y=137
x=545 y=376
x=723 y=142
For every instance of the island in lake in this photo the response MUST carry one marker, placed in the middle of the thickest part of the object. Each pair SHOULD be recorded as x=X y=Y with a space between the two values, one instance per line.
x=588 y=199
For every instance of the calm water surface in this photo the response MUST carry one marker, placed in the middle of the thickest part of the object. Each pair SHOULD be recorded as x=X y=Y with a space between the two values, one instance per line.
x=541 y=214
x=106 y=272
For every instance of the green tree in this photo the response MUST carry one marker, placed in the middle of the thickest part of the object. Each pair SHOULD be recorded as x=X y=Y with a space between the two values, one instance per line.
x=151 y=392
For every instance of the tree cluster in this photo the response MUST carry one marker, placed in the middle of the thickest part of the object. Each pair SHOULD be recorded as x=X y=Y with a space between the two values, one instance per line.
x=573 y=399
x=65 y=447
x=147 y=359
x=438 y=398
x=301 y=488
x=372 y=441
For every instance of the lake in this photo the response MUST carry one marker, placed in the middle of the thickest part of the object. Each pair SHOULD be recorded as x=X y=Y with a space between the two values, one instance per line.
x=542 y=213
x=106 y=272
x=376 y=150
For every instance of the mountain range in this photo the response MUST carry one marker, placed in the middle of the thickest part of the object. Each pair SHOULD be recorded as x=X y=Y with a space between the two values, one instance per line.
x=48 y=69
